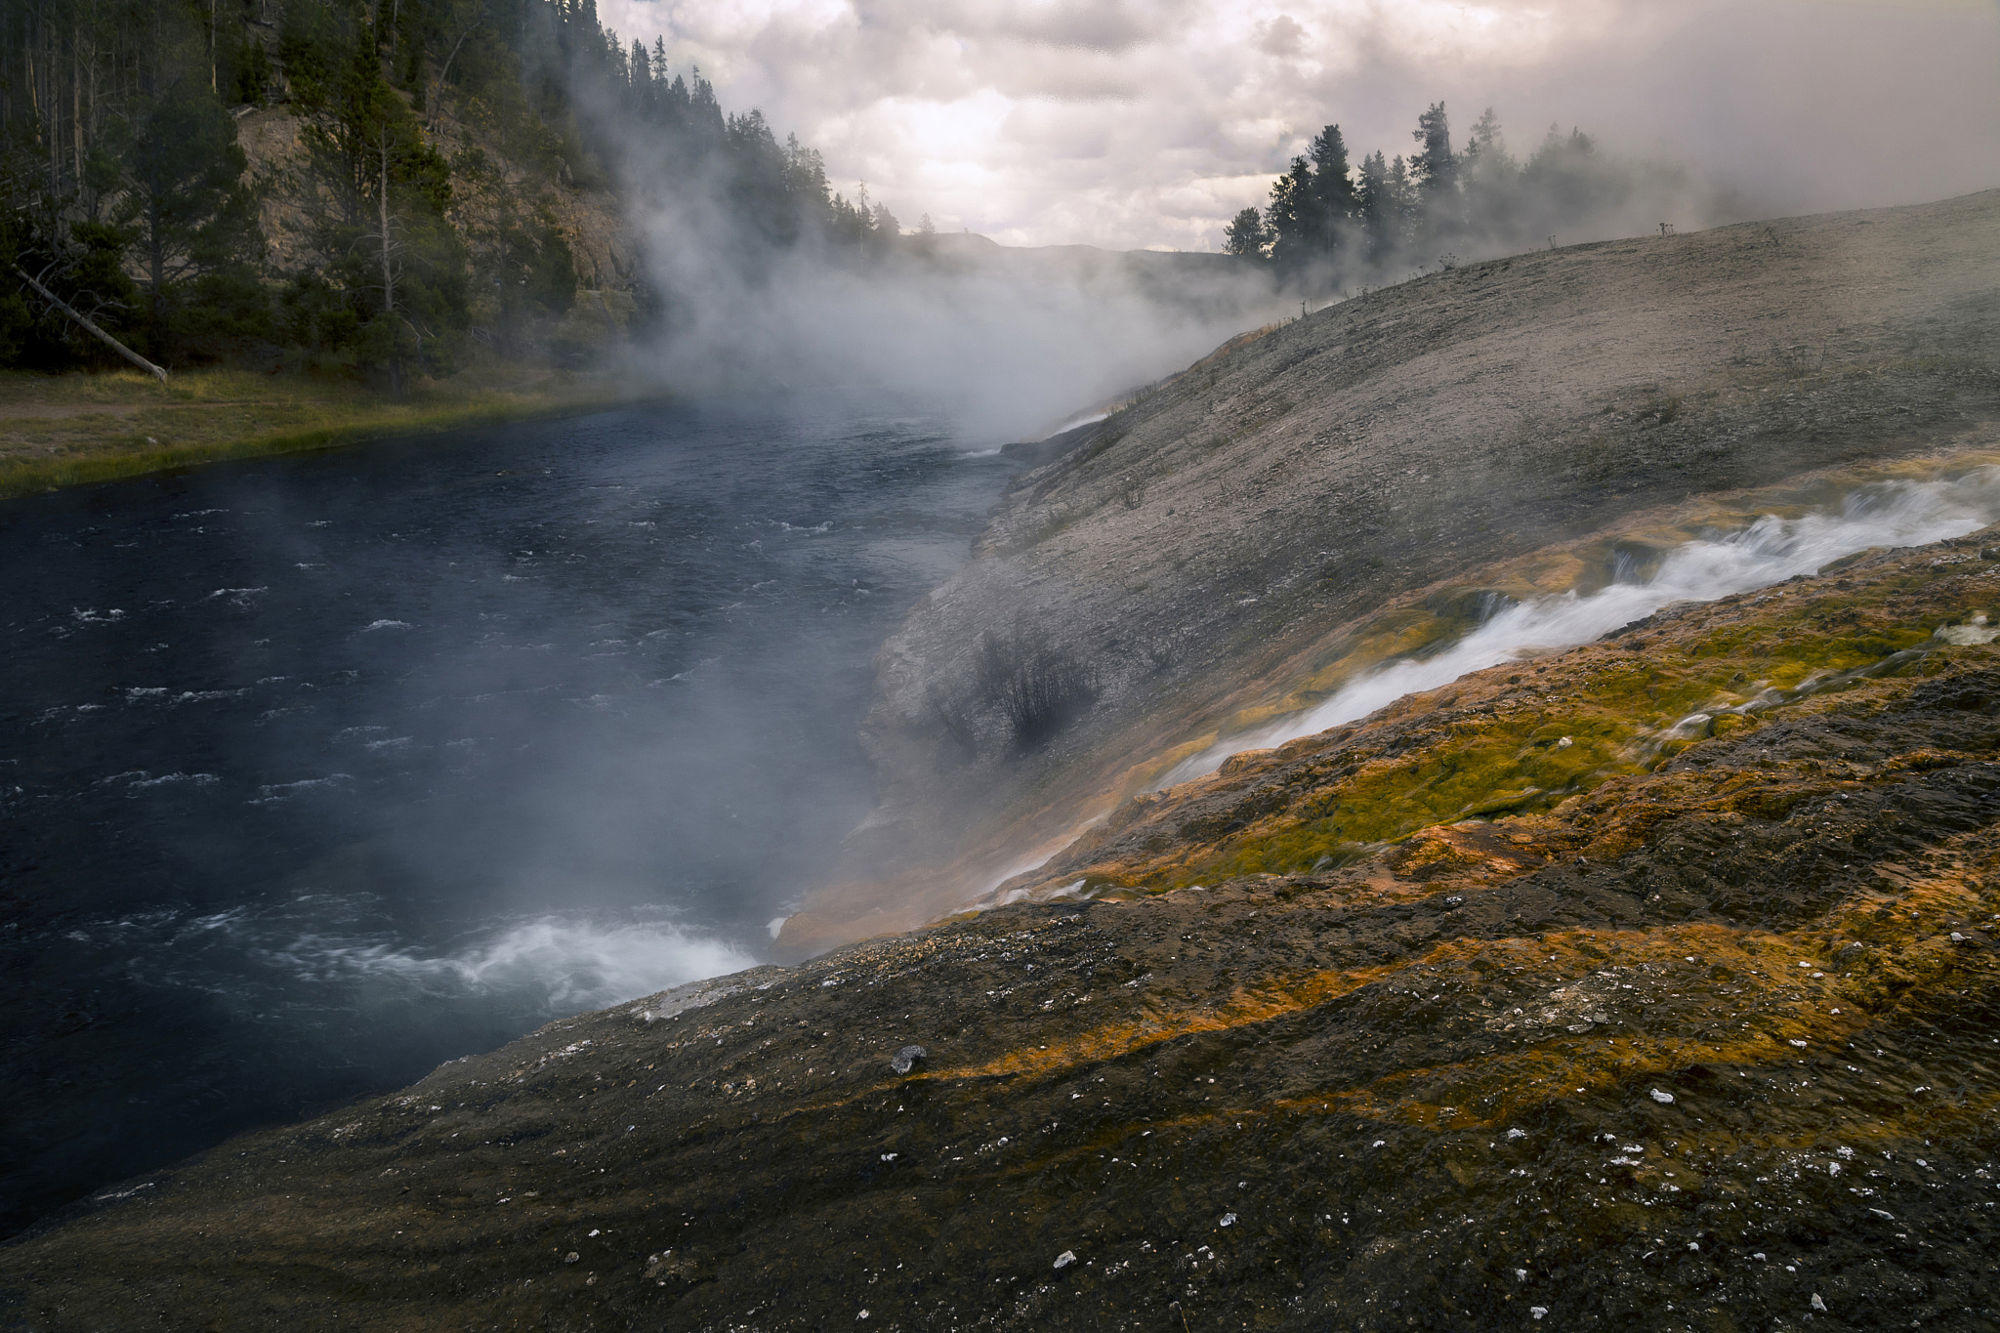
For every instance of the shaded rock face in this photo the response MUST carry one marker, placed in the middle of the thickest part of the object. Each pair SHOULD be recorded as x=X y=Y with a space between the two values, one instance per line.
x=1711 y=1041
x=590 y=220
x=1236 y=526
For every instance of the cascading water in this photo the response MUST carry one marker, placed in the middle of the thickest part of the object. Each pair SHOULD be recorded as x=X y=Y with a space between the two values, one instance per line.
x=1768 y=551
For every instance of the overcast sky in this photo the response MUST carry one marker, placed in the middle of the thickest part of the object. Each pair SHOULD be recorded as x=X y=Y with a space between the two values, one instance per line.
x=1127 y=124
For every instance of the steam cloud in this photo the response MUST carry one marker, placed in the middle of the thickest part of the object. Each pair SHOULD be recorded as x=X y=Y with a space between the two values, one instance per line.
x=1104 y=123
x=1006 y=344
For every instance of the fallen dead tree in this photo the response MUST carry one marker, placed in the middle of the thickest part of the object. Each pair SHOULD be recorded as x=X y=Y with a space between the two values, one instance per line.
x=91 y=327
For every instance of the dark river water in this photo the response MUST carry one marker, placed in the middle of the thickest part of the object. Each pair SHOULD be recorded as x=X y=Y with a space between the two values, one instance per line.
x=315 y=772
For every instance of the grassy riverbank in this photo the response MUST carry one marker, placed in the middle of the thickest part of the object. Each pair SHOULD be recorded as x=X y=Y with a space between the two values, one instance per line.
x=68 y=430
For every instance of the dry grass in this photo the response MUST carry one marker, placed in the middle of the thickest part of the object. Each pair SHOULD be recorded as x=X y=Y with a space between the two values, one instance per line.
x=68 y=430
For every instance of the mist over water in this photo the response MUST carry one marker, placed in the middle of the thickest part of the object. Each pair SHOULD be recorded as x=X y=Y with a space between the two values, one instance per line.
x=1768 y=551
x=316 y=772
x=1007 y=344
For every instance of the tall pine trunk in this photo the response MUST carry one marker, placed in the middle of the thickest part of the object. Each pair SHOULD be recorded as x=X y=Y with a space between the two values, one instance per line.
x=156 y=266
x=388 y=265
x=382 y=206
x=76 y=107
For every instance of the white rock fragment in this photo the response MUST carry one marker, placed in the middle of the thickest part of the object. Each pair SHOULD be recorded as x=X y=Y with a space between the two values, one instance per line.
x=1517 y=1133
x=1818 y=1304
x=1662 y=1097
x=1538 y=1312
x=1228 y=1220
x=1066 y=1258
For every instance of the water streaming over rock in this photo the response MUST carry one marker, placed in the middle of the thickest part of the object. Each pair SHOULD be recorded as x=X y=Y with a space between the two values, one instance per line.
x=1767 y=551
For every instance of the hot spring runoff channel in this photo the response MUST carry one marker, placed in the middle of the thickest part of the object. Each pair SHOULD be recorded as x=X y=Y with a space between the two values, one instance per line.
x=316 y=772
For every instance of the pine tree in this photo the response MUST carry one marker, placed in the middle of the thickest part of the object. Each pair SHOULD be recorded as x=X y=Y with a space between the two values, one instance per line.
x=1291 y=219
x=388 y=249
x=884 y=223
x=1377 y=204
x=1246 y=235
x=1489 y=180
x=1435 y=170
x=1408 y=208
x=186 y=202
x=1486 y=144
x=1564 y=177
x=1335 y=203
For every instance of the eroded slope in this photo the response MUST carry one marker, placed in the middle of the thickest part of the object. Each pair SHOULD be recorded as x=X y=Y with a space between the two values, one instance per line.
x=1244 y=521
x=1712 y=1041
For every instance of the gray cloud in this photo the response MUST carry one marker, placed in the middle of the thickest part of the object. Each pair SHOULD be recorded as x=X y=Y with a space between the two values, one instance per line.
x=1110 y=26
x=1130 y=124
x=1281 y=36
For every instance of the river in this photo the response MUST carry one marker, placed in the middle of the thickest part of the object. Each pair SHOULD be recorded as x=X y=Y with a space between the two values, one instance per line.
x=317 y=771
